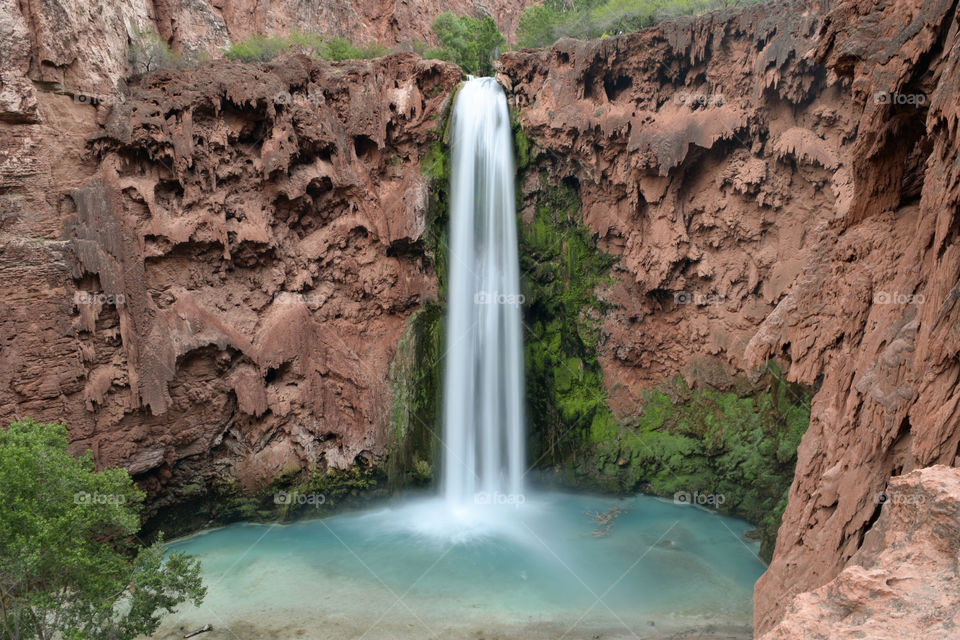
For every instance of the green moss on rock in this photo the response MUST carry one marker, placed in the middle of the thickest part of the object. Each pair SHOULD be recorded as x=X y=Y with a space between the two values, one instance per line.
x=740 y=450
x=435 y=168
x=741 y=445
x=562 y=266
x=416 y=385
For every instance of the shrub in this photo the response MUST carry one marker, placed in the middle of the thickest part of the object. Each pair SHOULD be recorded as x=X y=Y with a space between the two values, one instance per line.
x=148 y=52
x=68 y=566
x=257 y=48
x=472 y=43
x=260 y=48
x=541 y=25
x=343 y=49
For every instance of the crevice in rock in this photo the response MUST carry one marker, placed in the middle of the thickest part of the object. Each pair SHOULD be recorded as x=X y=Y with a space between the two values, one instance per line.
x=615 y=85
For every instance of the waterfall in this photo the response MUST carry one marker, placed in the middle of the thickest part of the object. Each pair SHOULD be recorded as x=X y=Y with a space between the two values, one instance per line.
x=483 y=453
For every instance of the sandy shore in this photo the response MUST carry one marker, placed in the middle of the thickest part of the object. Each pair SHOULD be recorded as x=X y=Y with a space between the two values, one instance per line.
x=342 y=627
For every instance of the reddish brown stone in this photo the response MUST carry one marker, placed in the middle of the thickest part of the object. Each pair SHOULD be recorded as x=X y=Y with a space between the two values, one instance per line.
x=809 y=216
x=235 y=257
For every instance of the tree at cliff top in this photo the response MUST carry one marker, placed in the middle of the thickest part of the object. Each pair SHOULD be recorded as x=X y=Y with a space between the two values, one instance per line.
x=148 y=52
x=543 y=24
x=473 y=43
x=69 y=567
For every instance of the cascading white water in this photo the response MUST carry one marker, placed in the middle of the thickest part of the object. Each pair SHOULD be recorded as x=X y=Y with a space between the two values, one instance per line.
x=483 y=456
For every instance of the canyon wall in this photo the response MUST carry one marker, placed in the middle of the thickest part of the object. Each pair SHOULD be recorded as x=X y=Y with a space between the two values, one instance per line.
x=206 y=272
x=778 y=184
x=902 y=581
x=80 y=47
x=209 y=284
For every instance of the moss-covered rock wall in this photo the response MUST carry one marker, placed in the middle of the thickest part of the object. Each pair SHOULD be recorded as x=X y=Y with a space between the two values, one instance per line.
x=733 y=449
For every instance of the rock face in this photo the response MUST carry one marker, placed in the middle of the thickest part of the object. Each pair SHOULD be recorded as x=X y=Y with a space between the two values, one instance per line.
x=236 y=252
x=79 y=47
x=780 y=183
x=904 y=581
x=209 y=278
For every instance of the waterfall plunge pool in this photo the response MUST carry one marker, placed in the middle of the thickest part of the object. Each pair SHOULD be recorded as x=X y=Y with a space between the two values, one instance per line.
x=546 y=568
x=517 y=565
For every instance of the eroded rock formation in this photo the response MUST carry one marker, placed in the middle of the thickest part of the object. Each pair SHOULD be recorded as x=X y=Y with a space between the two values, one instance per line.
x=80 y=48
x=780 y=183
x=237 y=254
x=903 y=582
x=209 y=278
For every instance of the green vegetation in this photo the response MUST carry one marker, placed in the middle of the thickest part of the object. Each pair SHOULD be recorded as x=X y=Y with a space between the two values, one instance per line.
x=543 y=24
x=472 y=43
x=435 y=168
x=521 y=145
x=69 y=567
x=562 y=266
x=416 y=385
x=701 y=442
x=294 y=492
x=336 y=486
x=710 y=443
x=147 y=52
x=260 y=48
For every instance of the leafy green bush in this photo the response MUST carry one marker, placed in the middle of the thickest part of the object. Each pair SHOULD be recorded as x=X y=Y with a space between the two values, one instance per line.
x=541 y=25
x=257 y=48
x=343 y=49
x=472 y=43
x=68 y=567
x=260 y=48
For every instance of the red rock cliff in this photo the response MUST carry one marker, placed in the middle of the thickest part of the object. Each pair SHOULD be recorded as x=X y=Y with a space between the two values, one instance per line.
x=211 y=277
x=902 y=581
x=779 y=183
x=80 y=47
x=213 y=282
